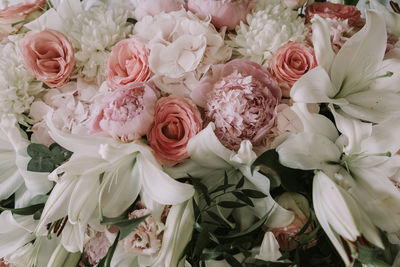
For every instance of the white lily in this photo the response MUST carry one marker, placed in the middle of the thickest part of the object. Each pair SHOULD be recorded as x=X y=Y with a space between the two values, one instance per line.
x=14 y=177
x=357 y=79
x=209 y=160
x=357 y=160
x=103 y=172
x=392 y=19
x=342 y=217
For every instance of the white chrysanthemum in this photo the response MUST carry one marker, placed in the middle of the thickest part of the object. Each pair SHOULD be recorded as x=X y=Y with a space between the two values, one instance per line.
x=269 y=27
x=93 y=29
x=18 y=86
x=93 y=33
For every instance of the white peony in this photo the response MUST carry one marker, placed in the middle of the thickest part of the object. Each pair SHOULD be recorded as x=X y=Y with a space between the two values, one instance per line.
x=93 y=29
x=269 y=27
x=18 y=87
x=182 y=48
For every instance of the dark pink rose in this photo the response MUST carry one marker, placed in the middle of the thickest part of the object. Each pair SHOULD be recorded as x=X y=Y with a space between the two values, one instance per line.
x=177 y=119
x=333 y=11
x=240 y=97
x=227 y=13
x=49 y=56
x=154 y=7
x=127 y=113
x=127 y=63
x=290 y=62
x=17 y=13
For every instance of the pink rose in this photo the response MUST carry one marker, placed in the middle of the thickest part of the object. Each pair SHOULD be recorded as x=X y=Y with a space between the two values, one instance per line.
x=223 y=12
x=240 y=97
x=96 y=248
x=17 y=13
x=177 y=119
x=49 y=56
x=127 y=113
x=127 y=63
x=290 y=62
x=154 y=7
x=333 y=11
x=286 y=235
x=144 y=239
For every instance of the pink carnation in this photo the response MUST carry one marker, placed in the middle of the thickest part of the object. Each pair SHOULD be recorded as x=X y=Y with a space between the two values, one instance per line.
x=240 y=97
x=227 y=13
x=17 y=13
x=333 y=11
x=177 y=119
x=290 y=62
x=154 y=7
x=49 y=56
x=96 y=248
x=144 y=239
x=127 y=63
x=127 y=113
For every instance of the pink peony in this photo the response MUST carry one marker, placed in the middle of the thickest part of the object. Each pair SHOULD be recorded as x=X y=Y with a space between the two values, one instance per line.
x=96 y=248
x=227 y=13
x=286 y=235
x=127 y=113
x=17 y=13
x=176 y=120
x=144 y=239
x=154 y=7
x=333 y=11
x=290 y=62
x=49 y=56
x=240 y=97
x=127 y=63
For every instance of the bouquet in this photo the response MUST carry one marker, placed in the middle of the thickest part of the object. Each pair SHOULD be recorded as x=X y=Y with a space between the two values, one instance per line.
x=185 y=133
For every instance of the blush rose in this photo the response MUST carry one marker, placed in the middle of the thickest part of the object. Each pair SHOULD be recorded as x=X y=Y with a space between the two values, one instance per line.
x=290 y=62
x=127 y=63
x=177 y=119
x=49 y=56
x=333 y=11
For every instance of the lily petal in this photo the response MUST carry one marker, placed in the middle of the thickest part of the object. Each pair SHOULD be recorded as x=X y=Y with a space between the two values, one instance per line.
x=322 y=43
x=269 y=250
x=392 y=19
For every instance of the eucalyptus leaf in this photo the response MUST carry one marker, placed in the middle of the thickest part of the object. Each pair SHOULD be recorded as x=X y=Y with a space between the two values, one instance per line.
x=38 y=150
x=25 y=211
x=59 y=154
x=40 y=165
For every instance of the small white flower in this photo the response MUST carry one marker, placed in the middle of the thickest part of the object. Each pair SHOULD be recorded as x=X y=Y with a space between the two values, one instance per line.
x=18 y=87
x=269 y=27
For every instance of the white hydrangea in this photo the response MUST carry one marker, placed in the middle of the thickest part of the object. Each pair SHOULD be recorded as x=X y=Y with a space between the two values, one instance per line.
x=270 y=26
x=93 y=29
x=18 y=86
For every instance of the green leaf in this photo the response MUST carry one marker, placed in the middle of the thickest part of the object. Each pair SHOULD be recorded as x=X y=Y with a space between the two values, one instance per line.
x=131 y=20
x=225 y=178
x=40 y=165
x=126 y=226
x=351 y=2
x=25 y=211
x=59 y=154
x=202 y=241
x=287 y=177
x=221 y=188
x=243 y=198
x=240 y=183
x=199 y=186
x=210 y=255
x=231 y=204
x=253 y=193
x=38 y=151
x=218 y=219
x=213 y=238
x=251 y=229
x=232 y=261
x=196 y=210
x=106 y=261
x=261 y=263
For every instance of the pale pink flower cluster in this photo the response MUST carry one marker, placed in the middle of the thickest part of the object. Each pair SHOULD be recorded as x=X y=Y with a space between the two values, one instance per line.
x=71 y=105
x=154 y=7
x=240 y=97
x=96 y=248
x=144 y=240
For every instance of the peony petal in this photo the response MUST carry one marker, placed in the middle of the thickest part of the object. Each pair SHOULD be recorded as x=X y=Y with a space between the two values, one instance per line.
x=359 y=58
